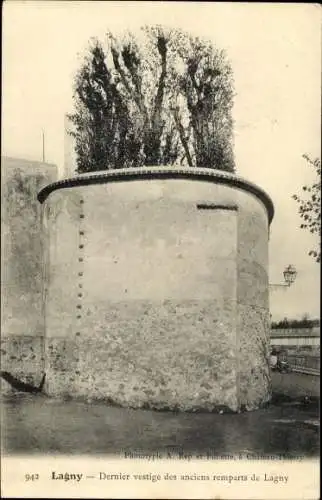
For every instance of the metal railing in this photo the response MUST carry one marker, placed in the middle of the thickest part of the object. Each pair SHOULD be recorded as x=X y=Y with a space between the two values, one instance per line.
x=303 y=363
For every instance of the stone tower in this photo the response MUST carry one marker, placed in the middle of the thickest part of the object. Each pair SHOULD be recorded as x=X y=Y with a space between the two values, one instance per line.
x=157 y=288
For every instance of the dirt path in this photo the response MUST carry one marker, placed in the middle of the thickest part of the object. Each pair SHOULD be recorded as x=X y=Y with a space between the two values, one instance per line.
x=36 y=424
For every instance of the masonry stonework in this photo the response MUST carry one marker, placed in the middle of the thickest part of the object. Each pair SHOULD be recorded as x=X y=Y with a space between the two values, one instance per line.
x=24 y=357
x=22 y=313
x=157 y=289
x=21 y=249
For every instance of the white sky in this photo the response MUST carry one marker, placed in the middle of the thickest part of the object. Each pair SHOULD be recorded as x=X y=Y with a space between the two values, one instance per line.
x=275 y=50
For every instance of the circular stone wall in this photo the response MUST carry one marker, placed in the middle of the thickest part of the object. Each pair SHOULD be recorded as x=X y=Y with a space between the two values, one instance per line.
x=157 y=288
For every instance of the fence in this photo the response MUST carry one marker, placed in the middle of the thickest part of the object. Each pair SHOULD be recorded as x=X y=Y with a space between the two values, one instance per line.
x=303 y=363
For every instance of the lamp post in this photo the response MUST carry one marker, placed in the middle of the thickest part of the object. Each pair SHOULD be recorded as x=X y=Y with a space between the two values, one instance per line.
x=289 y=274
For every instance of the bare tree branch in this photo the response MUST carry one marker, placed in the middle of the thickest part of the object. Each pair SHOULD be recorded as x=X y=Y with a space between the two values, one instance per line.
x=162 y=48
x=183 y=138
x=132 y=63
x=132 y=94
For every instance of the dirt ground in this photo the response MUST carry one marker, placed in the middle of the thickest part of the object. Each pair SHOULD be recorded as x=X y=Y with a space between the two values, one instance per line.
x=296 y=385
x=38 y=425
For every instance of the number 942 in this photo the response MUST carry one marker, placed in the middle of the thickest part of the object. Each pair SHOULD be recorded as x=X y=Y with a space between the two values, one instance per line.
x=31 y=477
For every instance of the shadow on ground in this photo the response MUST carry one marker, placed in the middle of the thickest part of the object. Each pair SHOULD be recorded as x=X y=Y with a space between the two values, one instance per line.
x=35 y=424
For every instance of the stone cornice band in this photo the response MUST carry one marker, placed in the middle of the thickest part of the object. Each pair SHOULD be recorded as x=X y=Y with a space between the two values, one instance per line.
x=152 y=173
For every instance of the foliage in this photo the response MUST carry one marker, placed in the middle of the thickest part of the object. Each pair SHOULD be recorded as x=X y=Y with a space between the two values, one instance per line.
x=305 y=322
x=20 y=193
x=206 y=87
x=310 y=206
x=163 y=97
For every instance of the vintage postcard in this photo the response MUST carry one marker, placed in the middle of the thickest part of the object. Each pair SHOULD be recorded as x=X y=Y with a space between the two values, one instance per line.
x=160 y=257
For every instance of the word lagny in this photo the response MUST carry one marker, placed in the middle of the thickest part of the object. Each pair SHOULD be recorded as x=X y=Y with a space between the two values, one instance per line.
x=69 y=476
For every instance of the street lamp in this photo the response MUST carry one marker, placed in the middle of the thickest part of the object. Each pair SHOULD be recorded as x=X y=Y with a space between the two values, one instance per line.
x=289 y=274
